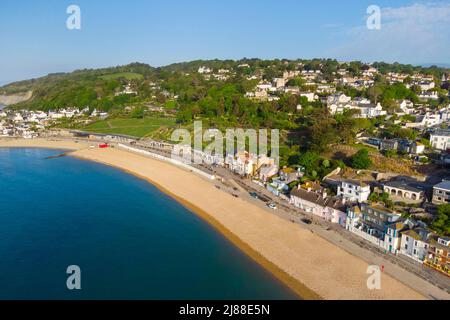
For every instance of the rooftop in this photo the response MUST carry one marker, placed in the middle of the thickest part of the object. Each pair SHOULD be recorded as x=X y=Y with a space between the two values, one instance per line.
x=402 y=185
x=441 y=132
x=445 y=185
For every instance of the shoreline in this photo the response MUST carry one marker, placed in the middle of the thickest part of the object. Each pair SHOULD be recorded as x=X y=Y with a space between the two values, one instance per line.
x=303 y=292
x=316 y=287
x=298 y=288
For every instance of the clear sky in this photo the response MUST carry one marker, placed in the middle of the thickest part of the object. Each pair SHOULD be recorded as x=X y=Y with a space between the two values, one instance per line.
x=35 y=40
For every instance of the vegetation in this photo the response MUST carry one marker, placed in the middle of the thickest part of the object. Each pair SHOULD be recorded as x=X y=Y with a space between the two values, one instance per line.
x=131 y=127
x=382 y=197
x=122 y=75
x=307 y=135
x=361 y=160
x=442 y=222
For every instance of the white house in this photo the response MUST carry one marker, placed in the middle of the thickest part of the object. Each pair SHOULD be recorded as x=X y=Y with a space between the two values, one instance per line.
x=311 y=96
x=242 y=163
x=440 y=139
x=375 y=224
x=353 y=191
x=404 y=191
x=319 y=204
x=441 y=193
x=429 y=95
x=267 y=172
x=406 y=106
x=427 y=120
x=204 y=70
x=414 y=244
x=426 y=85
x=370 y=110
x=338 y=103
x=17 y=117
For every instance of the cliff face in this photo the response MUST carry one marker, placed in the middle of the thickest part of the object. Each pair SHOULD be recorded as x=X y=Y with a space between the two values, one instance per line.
x=15 y=98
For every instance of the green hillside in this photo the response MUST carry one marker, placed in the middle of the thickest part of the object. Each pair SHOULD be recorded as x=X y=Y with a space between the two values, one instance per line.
x=132 y=127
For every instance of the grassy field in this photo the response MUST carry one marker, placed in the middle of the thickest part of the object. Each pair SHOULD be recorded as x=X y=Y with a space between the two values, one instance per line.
x=125 y=75
x=130 y=127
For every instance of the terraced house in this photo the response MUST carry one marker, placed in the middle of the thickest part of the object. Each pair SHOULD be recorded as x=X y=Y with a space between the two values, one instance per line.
x=415 y=244
x=353 y=191
x=376 y=224
x=441 y=193
x=439 y=255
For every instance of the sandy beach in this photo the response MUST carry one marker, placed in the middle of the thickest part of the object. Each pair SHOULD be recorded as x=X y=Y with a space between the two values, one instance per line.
x=310 y=265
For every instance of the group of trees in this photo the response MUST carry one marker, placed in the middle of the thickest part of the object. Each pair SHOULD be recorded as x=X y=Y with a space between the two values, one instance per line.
x=223 y=103
x=314 y=165
x=442 y=223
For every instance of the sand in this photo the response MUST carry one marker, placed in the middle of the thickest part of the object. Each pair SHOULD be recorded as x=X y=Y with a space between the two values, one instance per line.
x=313 y=267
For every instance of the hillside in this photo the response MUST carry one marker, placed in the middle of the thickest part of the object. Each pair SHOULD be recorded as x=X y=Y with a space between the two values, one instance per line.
x=90 y=87
x=99 y=88
x=288 y=95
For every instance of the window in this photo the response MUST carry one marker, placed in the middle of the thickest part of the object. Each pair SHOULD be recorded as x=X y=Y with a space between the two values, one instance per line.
x=406 y=247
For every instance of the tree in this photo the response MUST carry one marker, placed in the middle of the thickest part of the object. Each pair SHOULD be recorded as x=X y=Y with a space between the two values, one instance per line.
x=310 y=161
x=138 y=113
x=374 y=93
x=442 y=223
x=361 y=160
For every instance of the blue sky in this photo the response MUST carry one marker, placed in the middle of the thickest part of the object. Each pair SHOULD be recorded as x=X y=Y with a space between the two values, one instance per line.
x=35 y=40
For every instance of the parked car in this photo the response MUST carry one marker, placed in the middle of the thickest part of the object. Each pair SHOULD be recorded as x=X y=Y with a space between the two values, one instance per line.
x=272 y=206
x=254 y=195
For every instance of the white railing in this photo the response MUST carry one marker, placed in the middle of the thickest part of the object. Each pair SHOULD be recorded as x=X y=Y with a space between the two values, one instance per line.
x=168 y=160
x=368 y=237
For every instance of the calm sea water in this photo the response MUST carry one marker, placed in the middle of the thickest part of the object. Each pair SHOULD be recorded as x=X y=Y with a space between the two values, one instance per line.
x=130 y=240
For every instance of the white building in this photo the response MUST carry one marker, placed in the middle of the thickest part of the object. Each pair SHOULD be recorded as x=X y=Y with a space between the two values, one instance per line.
x=268 y=171
x=414 y=244
x=319 y=204
x=426 y=85
x=429 y=95
x=440 y=139
x=242 y=163
x=204 y=70
x=354 y=191
x=406 y=106
x=403 y=191
x=338 y=103
x=311 y=96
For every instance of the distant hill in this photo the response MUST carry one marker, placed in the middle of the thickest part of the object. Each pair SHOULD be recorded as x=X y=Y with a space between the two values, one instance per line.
x=11 y=99
x=100 y=88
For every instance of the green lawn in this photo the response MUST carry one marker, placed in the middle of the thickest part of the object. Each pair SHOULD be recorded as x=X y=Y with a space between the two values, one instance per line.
x=131 y=127
x=125 y=75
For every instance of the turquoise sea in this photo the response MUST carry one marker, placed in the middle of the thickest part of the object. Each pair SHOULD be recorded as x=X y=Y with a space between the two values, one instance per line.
x=130 y=240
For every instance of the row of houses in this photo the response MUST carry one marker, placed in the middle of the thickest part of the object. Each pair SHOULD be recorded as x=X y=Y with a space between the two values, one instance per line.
x=400 y=236
x=339 y=102
x=29 y=123
x=375 y=223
